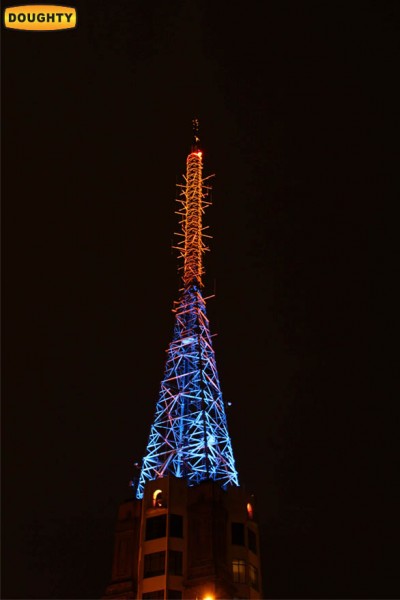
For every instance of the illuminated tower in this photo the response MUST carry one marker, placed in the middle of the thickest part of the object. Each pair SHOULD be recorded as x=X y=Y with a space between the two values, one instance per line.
x=190 y=532
x=189 y=437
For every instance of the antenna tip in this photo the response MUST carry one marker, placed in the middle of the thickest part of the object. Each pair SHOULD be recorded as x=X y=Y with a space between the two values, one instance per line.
x=195 y=125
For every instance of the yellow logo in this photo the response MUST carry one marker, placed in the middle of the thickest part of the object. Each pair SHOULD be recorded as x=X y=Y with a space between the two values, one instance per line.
x=40 y=17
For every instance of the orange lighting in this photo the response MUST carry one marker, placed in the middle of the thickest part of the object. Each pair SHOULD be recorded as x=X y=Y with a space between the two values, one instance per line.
x=250 y=511
x=193 y=200
x=192 y=222
x=157 y=498
x=208 y=597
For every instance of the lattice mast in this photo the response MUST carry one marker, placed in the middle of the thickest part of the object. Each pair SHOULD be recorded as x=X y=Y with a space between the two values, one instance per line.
x=194 y=194
x=189 y=436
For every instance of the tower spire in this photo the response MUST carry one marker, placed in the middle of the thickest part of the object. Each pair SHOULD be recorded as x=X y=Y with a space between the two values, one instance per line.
x=193 y=200
x=189 y=436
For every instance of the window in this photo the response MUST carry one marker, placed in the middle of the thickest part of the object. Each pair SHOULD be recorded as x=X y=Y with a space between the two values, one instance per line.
x=158 y=595
x=239 y=571
x=175 y=562
x=238 y=534
x=174 y=595
x=154 y=564
x=176 y=526
x=252 y=540
x=156 y=527
x=253 y=577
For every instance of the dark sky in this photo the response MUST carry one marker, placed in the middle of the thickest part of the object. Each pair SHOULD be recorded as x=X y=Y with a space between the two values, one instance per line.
x=297 y=111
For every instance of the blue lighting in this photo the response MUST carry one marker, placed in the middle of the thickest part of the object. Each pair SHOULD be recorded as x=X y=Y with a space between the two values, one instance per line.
x=189 y=436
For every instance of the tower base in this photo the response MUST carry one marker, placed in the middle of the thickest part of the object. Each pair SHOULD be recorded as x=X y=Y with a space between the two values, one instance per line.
x=186 y=542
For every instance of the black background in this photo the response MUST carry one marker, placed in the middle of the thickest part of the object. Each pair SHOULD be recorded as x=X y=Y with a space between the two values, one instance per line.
x=297 y=109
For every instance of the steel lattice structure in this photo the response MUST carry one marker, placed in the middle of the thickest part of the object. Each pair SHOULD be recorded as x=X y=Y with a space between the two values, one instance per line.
x=189 y=436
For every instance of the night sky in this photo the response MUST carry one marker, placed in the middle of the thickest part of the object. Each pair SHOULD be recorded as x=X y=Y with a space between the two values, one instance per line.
x=297 y=110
